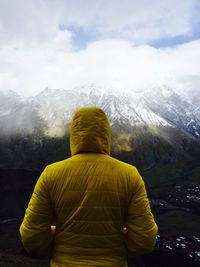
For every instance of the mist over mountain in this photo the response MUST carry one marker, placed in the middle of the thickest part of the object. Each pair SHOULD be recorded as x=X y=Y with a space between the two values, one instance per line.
x=156 y=106
x=148 y=126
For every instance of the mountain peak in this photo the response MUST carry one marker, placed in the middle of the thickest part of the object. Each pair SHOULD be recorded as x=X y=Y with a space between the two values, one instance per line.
x=156 y=106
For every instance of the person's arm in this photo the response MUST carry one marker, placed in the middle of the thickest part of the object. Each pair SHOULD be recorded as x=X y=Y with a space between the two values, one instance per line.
x=141 y=228
x=35 y=229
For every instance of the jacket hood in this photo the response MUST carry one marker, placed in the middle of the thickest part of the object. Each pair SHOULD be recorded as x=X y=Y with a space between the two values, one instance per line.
x=90 y=131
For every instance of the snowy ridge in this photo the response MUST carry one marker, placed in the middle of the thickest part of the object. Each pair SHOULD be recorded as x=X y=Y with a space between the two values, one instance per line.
x=52 y=109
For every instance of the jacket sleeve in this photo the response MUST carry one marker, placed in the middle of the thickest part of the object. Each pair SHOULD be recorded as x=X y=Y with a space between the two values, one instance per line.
x=35 y=229
x=141 y=227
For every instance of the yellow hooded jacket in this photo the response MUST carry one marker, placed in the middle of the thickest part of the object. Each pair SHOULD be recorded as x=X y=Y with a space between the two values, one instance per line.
x=90 y=197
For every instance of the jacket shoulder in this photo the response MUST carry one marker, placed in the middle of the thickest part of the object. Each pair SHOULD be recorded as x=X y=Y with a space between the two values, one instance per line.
x=123 y=165
x=58 y=164
x=57 y=168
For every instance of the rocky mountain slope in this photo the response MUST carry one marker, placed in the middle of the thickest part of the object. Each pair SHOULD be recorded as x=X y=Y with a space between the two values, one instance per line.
x=52 y=109
x=148 y=126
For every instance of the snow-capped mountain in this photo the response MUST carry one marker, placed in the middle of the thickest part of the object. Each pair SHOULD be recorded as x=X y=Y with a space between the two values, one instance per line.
x=148 y=126
x=51 y=110
x=8 y=101
x=180 y=110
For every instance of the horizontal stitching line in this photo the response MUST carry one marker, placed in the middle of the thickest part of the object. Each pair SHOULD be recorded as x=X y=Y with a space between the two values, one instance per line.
x=100 y=235
x=99 y=191
x=95 y=248
x=82 y=206
x=100 y=221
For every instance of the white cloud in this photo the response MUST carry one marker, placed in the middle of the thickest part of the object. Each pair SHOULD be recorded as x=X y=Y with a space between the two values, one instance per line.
x=113 y=63
x=35 y=53
x=137 y=21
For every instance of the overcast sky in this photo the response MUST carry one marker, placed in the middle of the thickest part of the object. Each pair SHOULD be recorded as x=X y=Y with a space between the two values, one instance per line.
x=130 y=44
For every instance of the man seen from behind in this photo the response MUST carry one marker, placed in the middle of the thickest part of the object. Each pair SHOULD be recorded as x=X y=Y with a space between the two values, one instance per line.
x=98 y=204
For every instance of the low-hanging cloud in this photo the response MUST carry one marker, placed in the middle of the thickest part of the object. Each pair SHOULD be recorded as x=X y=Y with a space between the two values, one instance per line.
x=37 y=48
x=107 y=63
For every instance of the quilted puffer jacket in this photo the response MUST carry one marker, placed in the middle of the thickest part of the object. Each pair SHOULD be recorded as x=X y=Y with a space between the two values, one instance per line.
x=98 y=204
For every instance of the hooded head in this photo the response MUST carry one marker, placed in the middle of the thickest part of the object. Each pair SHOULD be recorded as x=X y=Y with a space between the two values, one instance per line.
x=90 y=131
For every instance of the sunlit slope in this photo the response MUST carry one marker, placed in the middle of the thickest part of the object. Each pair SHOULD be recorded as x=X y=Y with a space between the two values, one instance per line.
x=51 y=110
x=150 y=127
x=143 y=146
